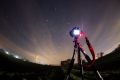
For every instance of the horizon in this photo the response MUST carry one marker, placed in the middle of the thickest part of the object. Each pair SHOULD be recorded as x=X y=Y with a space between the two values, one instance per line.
x=38 y=62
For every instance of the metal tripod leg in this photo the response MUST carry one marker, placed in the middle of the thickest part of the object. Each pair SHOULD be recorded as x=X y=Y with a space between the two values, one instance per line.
x=80 y=64
x=72 y=63
x=70 y=66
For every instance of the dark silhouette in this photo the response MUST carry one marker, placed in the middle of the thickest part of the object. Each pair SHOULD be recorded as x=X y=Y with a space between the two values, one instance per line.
x=18 y=69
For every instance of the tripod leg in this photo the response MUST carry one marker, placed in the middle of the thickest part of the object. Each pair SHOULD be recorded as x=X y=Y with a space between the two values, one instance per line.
x=80 y=64
x=94 y=69
x=93 y=66
x=70 y=66
x=81 y=70
x=69 y=69
x=99 y=75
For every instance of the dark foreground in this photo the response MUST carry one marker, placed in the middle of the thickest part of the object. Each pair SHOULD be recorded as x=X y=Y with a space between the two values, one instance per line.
x=56 y=74
x=18 y=69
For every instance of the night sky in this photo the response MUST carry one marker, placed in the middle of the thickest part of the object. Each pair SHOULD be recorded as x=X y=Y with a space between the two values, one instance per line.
x=38 y=30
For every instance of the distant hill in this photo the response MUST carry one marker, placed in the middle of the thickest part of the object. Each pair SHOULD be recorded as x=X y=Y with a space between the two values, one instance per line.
x=10 y=63
x=110 y=61
x=12 y=68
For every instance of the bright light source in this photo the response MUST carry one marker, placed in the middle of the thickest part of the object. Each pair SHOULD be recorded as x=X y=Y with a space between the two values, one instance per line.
x=7 y=52
x=16 y=56
x=76 y=32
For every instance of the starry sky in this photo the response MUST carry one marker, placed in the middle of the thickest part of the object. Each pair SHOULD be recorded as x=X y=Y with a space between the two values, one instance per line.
x=38 y=30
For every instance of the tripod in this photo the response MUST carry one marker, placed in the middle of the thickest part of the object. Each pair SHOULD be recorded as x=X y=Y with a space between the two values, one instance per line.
x=79 y=50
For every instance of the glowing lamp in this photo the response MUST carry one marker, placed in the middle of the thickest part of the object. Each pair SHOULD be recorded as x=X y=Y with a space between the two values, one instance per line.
x=75 y=32
x=7 y=52
x=16 y=56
